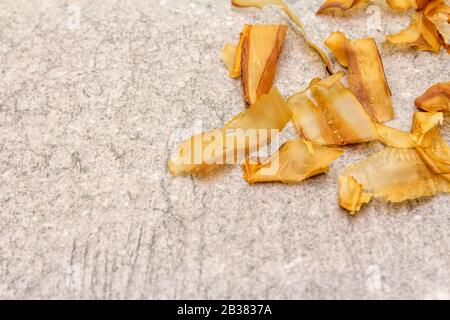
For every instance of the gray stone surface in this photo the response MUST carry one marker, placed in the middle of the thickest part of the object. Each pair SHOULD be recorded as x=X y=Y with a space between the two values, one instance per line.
x=88 y=210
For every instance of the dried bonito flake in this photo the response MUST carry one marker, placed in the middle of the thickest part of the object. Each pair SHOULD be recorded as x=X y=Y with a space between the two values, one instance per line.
x=403 y=5
x=255 y=58
x=260 y=49
x=336 y=43
x=394 y=174
x=421 y=34
x=351 y=194
x=438 y=13
x=331 y=6
x=295 y=161
x=429 y=29
x=419 y=165
x=366 y=76
x=294 y=18
x=245 y=133
x=431 y=146
x=425 y=137
x=436 y=98
x=335 y=118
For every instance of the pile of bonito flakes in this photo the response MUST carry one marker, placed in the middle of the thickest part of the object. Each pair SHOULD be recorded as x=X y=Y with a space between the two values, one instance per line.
x=328 y=114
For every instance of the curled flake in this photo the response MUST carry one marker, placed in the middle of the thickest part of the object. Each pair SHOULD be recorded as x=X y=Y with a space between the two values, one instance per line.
x=432 y=147
x=246 y=132
x=429 y=29
x=411 y=35
x=420 y=168
x=366 y=76
x=402 y=5
x=260 y=49
x=438 y=13
x=351 y=194
x=337 y=117
x=294 y=18
x=330 y=6
x=294 y=162
x=425 y=138
x=436 y=98
x=336 y=43
x=397 y=175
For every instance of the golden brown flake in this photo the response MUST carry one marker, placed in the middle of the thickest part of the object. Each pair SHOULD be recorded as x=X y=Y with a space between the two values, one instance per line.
x=331 y=6
x=351 y=194
x=419 y=165
x=366 y=75
x=337 y=117
x=212 y=149
x=260 y=49
x=429 y=29
x=394 y=174
x=436 y=98
x=432 y=147
x=402 y=5
x=336 y=43
x=294 y=162
x=255 y=57
x=294 y=18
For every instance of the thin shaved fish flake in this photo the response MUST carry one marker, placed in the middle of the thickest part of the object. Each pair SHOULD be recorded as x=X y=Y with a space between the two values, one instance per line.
x=333 y=6
x=432 y=147
x=246 y=132
x=330 y=6
x=429 y=29
x=260 y=50
x=295 y=161
x=394 y=174
x=436 y=98
x=333 y=116
x=294 y=18
x=255 y=58
x=366 y=76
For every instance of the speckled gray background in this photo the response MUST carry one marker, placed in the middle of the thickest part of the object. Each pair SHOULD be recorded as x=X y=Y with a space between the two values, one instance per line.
x=88 y=210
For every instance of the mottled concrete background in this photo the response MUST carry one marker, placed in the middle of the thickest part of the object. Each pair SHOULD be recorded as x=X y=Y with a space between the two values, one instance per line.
x=88 y=210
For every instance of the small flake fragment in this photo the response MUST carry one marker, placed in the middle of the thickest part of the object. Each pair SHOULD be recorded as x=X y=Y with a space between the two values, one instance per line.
x=351 y=194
